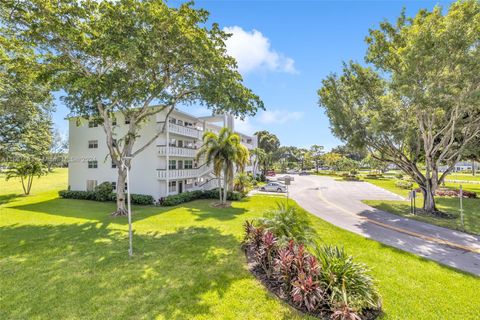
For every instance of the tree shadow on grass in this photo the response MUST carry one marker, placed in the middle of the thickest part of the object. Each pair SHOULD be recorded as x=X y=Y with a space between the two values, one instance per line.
x=84 y=271
x=100 y=211
x=6 y=198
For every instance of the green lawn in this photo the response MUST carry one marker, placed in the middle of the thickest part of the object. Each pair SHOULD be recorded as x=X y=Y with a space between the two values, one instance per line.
x=67 y=259
x=445 y=204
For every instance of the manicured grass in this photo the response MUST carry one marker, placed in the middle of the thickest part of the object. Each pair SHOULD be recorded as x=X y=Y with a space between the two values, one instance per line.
x=68 y=259
x=445 y=204
x=464 y=176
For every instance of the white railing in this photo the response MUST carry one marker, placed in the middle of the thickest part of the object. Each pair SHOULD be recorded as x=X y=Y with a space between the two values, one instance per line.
x=184 y=131
x=211 y=184
x=177 y=174
x=176 y=151
x=183 y=173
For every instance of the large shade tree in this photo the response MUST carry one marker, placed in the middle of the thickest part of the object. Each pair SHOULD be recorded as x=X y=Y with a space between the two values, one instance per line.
x=126 y=56
x=420 y=104
x=226 y=154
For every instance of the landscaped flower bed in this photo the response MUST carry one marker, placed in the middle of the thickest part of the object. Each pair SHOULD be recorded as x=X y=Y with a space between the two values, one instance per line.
x=327 y=284
x=444 y=192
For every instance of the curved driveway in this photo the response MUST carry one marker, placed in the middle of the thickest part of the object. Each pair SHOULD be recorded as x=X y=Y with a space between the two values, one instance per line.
x=340 y=203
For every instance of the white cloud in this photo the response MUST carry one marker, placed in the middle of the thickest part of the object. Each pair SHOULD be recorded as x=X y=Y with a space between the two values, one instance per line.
x=279 y=116
x=245 y=126
x=253 y=51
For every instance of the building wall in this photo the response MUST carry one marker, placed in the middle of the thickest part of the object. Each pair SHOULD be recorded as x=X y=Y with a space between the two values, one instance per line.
x=143 y=175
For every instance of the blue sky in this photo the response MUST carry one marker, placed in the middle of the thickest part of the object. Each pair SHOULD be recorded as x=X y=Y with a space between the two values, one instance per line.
x=285 y=48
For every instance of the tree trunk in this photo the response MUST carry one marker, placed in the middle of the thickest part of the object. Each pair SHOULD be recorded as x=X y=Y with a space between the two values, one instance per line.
x=121 y=196
x=429 y=200
x=220 y=188
x=23 y=185
x=225 y=185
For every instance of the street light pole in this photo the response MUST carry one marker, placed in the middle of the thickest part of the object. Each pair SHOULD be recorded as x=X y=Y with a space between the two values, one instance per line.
x=130 y=237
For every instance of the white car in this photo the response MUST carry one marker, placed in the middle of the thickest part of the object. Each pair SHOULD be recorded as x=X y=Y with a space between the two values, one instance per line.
x=274 y=187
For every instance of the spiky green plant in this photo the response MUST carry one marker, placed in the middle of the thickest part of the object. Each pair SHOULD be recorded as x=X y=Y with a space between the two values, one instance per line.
x=288 y=223
x=348 y=283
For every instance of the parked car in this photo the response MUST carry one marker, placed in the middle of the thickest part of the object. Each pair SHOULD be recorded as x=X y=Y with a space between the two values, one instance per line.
x=304 y=173
x=285 y=177
x=274 y=187
x=270 y=173
x=292 y=171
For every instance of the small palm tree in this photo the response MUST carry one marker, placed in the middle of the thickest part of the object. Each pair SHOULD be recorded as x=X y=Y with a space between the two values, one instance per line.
x=225 y=152
x=26 y=171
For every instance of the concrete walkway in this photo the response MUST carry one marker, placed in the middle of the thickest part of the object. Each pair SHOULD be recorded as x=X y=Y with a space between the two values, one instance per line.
x=339 y=203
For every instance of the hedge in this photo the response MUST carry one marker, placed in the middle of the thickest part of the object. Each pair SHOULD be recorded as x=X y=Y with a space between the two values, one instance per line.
x=180 y=198
x=140 y=199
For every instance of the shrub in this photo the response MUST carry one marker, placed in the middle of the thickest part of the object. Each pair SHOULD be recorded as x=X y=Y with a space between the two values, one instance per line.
x=103 y=192
x=404 y=184
x=443 y=192
x=348 y=282
x=288 y=223
x=180 y=198
x=139 y=199
x=399 y=176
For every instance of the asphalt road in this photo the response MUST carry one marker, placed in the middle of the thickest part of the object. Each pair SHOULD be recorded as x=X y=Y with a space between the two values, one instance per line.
x=340 y=203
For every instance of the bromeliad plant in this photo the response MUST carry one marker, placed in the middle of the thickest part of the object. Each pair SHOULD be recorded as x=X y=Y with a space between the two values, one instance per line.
x=328 y=283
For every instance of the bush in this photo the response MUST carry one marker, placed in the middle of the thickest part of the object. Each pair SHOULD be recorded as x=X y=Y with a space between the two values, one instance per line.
x=139 y=199
x=443 y=192
x=399 y=176
x=103 y=192
x=348 y=282
x=404 y=184
x=177 y=199
x=288 y=223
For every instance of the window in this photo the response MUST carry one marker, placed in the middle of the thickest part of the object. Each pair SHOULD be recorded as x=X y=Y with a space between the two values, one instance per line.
x=172 y=186
x=188 y=164
x=114 y=185
x=189 y=144
x=114 y=121
x=172 y=142
x=126 y=186
x=172 y=120
x=180 y=122
x=180 y=164
x=172 y=164
x=113 y=165
x=249 y=141
x=180 y=143
x=93 y=144
x=127 y=121
x=92 y=164
x=92 y=124
x=91 y=184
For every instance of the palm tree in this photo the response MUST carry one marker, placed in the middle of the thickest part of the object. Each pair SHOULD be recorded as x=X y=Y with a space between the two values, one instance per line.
x=258 y=156
x=225 y=152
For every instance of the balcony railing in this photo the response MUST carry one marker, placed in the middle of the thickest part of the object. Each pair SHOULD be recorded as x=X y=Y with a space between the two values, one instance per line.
x=163 y=174
x=184 y=131
x=176 y=151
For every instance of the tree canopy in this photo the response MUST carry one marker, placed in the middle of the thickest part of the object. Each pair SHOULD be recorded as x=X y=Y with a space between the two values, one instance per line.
x=134 y=57
x=419 y=103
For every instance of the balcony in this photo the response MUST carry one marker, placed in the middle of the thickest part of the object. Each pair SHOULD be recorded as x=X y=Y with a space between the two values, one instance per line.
x=176 y=151
x=184 y=131
x=177 y=174
x=163 y=174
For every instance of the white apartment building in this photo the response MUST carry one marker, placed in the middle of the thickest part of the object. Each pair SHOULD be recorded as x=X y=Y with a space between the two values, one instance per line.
x=166 y=167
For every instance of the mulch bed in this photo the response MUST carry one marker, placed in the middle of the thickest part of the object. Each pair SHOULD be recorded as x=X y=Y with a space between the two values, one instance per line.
x=324 y=313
